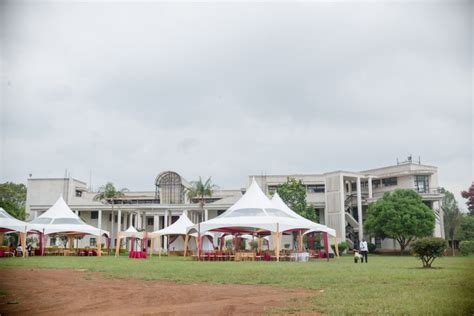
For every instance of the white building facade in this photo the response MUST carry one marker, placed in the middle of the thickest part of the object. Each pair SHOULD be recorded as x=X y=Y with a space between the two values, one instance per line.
x=340 y=198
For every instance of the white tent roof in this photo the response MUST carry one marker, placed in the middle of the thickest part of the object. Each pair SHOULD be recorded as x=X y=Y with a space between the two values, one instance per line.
x=9 y=223
x=178 y=228
x=253 y=211
x=278 y=202
x=131 y=232
x=61 y=219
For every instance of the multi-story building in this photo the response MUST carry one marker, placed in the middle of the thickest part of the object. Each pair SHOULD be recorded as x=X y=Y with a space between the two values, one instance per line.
x=340 y=198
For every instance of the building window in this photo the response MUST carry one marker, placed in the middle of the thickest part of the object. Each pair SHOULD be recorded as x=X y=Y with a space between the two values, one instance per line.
x=94 y=215
x=52 y=241
x=92 y=242
x=315 y=188
x=387 y=182
x=376 y=183
x=220 y=212
x=272 y=189
x=110 y=217
x=78 y=193
x=116 y=218
x=150 y=221
x=422 y=184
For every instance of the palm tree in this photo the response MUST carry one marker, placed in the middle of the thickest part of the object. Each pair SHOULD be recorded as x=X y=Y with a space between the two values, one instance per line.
x=199 y=190
x=452 y=216
x=108 y=194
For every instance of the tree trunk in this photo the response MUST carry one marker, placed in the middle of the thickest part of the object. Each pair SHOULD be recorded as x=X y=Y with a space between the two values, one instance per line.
x=402 y=248
x=452 y=244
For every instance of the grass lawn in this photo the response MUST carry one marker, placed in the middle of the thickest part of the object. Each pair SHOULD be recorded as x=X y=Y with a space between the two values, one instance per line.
x=386 y=285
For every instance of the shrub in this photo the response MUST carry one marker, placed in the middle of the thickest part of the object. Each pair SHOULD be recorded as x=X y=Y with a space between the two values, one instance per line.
x=342 y=247
x=466 y=247
x=372 y=247
x=428 y=249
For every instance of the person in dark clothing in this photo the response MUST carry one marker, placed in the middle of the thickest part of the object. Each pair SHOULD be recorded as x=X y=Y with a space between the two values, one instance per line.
x=29 y=249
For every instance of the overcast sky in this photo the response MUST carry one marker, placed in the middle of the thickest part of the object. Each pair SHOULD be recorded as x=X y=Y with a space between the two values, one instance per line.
x=227 y=90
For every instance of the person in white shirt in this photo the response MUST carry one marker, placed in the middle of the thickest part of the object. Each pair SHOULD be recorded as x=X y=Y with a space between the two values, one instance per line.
x=364 y=250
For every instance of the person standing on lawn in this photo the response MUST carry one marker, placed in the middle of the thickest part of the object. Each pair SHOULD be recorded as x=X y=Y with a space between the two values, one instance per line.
x=364 y=250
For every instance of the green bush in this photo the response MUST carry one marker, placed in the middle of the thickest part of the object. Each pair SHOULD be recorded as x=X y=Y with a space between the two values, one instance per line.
x=428 y=249
x=466 y=247
x=342 y=247
x=372 y=247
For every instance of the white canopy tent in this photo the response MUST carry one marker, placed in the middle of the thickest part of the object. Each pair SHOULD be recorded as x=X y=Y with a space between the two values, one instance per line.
x=10 y=224
x=131 y=232
x=178 y=229
x=315 y=227
x=254 y=213
x=60 y=219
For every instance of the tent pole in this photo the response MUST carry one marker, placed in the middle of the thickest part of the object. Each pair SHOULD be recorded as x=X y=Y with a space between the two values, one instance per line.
x=99 y=246
x=159 y=246
x=300 y=242
x=71 y=242
x=278 y=242
x=336 y=246
x=23 y=244
x=117 y=247
x=43 y=241
x=199 y=241
x=186 y=240
x=326 y=245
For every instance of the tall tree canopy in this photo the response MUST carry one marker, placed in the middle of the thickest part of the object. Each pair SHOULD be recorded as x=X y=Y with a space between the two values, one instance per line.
x=108 y=194
x=13 y=199
x=199 y=190
x=293 y=193
x=401 y=215
x=466 y=229
x=452 y=216
x=469 y=195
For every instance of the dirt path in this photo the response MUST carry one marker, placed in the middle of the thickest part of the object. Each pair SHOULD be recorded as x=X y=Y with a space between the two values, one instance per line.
x=62 y=292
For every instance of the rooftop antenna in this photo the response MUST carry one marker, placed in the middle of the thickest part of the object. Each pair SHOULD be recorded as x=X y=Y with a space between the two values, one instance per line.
x=419 y=160
x=398 y=161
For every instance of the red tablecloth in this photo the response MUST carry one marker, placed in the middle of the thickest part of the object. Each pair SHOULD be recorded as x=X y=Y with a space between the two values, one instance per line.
x=137 y=254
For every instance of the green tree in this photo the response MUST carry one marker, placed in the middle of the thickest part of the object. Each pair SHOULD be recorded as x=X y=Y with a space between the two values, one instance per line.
x=200 y=190
x=13 y=199
x=401 y=215
x=452 y=216
x=428 y=249
x=108 y=194
x=466 y=229
x=293 y=193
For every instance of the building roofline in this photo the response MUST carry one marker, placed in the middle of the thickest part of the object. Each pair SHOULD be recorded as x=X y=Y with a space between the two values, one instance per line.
x=62 y=179
x=401 y=164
